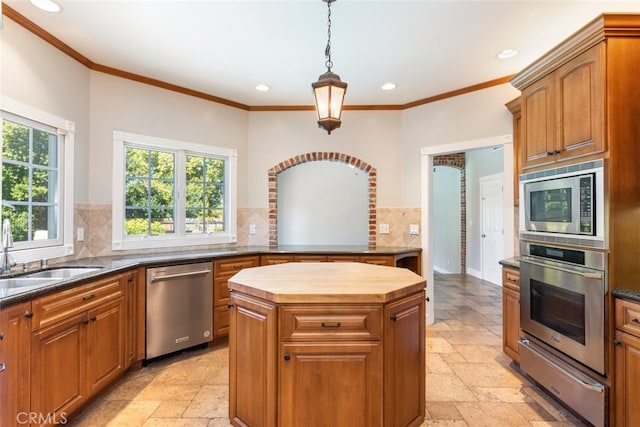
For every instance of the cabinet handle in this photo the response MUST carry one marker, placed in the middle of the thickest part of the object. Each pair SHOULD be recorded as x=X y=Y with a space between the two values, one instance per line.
x=1 y=336
x=85 y=322
x=130 y=280
x=2 y=367
x=330 y=325
x=616 y=343
x=287 y=357
x=93 y=319
x=636 y=321
x=229 y=305
x=556 y=152
x=28 y=314
x=394 y=318
x=88 y=297
x=549 y=153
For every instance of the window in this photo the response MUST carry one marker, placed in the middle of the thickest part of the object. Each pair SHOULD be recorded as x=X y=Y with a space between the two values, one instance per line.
x=37 y=188
x=171 y=193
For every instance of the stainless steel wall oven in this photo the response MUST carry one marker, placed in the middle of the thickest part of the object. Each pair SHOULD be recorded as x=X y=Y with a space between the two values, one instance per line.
x=562 y=315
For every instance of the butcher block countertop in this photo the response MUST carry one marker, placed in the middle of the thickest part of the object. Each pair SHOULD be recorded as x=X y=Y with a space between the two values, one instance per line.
x=322 y=282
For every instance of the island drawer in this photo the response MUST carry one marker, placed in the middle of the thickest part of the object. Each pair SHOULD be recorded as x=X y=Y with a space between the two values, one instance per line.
x=330 y=322
x=52 y=308
x=628 y=317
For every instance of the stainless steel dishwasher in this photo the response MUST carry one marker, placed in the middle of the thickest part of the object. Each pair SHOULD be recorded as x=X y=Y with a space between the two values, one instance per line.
x=179 y=307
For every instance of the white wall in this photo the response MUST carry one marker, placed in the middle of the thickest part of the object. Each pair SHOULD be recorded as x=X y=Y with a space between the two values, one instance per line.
x=124 y=105
x=36 y=74
x=372 y=136
x=446 y=219
x=476 y=115
x=480 y=163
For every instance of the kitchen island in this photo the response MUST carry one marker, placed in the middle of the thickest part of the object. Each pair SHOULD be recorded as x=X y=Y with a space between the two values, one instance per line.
x=338 y=344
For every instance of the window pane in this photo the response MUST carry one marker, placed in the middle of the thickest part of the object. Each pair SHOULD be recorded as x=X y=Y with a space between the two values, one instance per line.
x=43 y=222
x=45 y=150
x=40 y=186
x=137 y=162
x=15 y=182
x=162 y=165
x=30 y=181
x=205 y=190
x=136 y=193
x=162 y=193
x=149 y=192
x=15 y=141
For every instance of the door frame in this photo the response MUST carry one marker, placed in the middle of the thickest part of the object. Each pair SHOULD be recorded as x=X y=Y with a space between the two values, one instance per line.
x=427 y=154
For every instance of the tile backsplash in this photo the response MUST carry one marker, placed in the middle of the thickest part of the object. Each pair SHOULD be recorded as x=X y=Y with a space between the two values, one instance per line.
x=96 y=221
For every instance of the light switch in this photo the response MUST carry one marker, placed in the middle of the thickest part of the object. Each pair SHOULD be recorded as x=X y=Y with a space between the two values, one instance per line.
x=414 y=229
x=80 y=234
x=252 y=229
x=384 y=228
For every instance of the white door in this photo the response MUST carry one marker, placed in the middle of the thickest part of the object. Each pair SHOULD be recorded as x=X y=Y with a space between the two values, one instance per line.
x=492 y=245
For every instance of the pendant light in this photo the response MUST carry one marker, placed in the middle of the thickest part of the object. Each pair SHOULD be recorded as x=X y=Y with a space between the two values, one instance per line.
x=329 y=90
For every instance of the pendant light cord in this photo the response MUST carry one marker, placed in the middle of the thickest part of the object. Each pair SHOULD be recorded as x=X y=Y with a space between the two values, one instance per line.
x=327 y=50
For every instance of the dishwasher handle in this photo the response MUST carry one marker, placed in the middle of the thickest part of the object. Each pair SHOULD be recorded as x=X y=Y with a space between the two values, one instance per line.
x=155 y=278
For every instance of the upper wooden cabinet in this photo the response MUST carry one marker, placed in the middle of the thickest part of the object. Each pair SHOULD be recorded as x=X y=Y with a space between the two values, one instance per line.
x=563 y=112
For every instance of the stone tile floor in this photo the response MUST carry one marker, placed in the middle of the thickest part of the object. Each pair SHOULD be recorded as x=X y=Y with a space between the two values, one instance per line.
x=470 y=382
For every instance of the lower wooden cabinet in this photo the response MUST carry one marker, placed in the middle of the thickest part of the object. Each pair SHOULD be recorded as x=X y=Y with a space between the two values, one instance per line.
x=338 y=364
x=15 y=352
x=511 y=312
x=626 y=399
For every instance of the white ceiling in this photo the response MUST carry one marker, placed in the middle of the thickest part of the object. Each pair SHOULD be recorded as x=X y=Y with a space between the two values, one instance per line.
x=226 y=47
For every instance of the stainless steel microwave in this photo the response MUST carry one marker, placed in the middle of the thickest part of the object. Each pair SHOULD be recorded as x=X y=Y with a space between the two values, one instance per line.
x=566 y=202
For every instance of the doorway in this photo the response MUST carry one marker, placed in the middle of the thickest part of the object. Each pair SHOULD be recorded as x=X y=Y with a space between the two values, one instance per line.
x=427 y=204
x=491 y=220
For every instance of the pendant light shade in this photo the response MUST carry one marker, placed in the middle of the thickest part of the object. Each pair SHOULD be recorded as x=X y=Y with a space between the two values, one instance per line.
x=329 y=93
x=329 y=90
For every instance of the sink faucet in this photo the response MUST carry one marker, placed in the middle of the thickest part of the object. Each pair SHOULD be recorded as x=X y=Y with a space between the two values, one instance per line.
x=7 y=242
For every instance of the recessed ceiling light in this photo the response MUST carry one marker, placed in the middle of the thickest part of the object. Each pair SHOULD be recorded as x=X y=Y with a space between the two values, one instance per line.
x=47 y=5
x=262 y=88
x=388 y=86
x=506 y=54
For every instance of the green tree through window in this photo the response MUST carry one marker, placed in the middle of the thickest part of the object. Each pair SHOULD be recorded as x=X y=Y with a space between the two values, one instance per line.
x=30 y=181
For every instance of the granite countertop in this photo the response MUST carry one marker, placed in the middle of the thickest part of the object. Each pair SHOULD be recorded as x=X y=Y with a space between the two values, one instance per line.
x=317 y=282
x=628 y=294
x=116 y=264
x=513 y=262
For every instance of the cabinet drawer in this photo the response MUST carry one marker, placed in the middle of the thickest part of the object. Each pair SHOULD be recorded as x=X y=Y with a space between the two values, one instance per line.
x=628 y=317
x=511 y=279
x=52 y=308
x=225 y=268
x=330 y=323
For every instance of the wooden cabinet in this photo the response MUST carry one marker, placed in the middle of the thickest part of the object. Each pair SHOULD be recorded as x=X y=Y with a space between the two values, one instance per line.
x=15 y=353
x=411 y=260
x=563 y=112
x=627 y=364
x=223 y=269
x=77 y=345
x=511 y=312
x=134 y=317
x=252 y=355
x=515 y=107
x=316 y=364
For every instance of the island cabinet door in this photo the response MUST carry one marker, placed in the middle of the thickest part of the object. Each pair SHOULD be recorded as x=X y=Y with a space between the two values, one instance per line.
x=252 y=362
x=404 y=387
x=330 y=384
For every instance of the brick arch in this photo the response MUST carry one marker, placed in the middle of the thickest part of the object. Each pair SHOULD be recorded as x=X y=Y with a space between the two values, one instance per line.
x=458 y=161
x=315 y=157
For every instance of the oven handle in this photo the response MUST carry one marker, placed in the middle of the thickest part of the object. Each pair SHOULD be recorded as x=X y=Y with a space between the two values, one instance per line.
x=597 y=387
x=586 y=274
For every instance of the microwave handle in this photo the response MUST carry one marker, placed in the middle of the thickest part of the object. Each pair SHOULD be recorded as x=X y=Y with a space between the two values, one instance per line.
x=585 y=274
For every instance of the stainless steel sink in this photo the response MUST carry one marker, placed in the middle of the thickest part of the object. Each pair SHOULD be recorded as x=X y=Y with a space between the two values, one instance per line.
x=61 y=273
x=24 y=282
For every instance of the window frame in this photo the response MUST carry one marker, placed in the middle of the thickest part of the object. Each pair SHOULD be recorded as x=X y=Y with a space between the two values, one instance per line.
x=34 y=250
x=121 y=242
